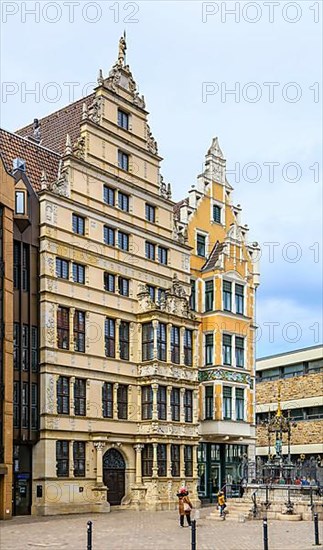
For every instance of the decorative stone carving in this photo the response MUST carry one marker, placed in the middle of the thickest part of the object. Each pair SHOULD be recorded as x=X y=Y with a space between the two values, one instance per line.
x=151 y=142
x=164 y=188
x=159 y=428
x=43 y=180
x=79 y=148
x=144 y=299
x=180 y=232
x=61 y=185
x=50 y=397
x=94 y=110
x=36 y=131
x=221 y=374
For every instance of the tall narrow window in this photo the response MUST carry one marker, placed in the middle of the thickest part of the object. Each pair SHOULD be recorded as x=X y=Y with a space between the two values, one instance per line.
x=188 y=460
x=63 y=395
x=16 y=405
x=162 y=341
x=227 y=295
x=152 y=292
x=175 y=404
x=123 y=240
x=175 y=345
x=79 y=331
x=79 y=458
x=122 y=400
x=109 y=235
x=25 y=267
x=162 y=402
x=110 y=337
x=109 y=195
x=63 y=327
x=62 y=271
x=217 y=213
x=78 y=224
x=188 y=405
x=123 y=119
x=188 y=347
x=209 y=403
x=62 y=458
x=201 y=245
x=34 y=406
x=123 y=160
x=209 y=295
x=147 y=460
x=239 y=404
x=193 y=295
x=162 y=459
x=150 y=250
x=34 y=349
x=123 y=201
x=25 y=405
x=124 y=340
x=107 y=400
x=239 y=295
x=227 y=402
x=25 y=347
x=175 y=458
x=80 y=397
x=239 y=351
x=123 y=284
x=20 y=202
x=16 y=346
x=150 y=212
x=227 y=349
x=79 y=273
x=146 y=402
x=162 y=255
x=147 y=341
x=109 y=282
x=209 y=349
x=16 y=265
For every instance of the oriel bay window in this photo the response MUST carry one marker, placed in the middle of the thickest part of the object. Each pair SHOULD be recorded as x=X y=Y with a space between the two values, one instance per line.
x=175 y=404
x=122 y=399
x=110 y=337
x=146 y=402
x=188 y=405
x=124 y=340
x=162 y=341
x=80 y=397
x=63 y=395
x=175 y=345
x=209 y=295
x=188 y=460
x=62 y=458
x=162 y=459
x=162 y=402
x=147 y=460
x=239 y=404
x=239 y=344
x=227 y=295
x=227 y=402
x=175 y=458
x=239 y=296
x=227 y=349
x=188 y=347
x=63 y=327
x=107 y=400
x=79 y=331
x=79 y=458
x=209 y=347
x=209 y=403
x=147 y=341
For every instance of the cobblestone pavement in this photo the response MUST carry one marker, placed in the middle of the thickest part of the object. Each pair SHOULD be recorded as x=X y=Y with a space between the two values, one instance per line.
x=130 y=530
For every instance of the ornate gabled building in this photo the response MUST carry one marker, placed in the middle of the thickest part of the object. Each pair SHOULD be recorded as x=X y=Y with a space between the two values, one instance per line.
x=224 y=278
x=118 y=341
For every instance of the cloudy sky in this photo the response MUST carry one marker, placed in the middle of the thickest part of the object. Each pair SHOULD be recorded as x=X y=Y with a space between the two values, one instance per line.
x=247 y=72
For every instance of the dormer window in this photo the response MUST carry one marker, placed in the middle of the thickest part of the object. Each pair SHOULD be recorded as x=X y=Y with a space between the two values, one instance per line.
x=20 y=204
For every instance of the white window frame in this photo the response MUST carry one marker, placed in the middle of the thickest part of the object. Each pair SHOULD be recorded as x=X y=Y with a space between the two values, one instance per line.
x=222 y=207
x=206 y=235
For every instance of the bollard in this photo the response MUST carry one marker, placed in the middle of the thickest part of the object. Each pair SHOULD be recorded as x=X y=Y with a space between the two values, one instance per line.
x=89 y=535
x=265 y=527
x=193 y=534
x=316 y=530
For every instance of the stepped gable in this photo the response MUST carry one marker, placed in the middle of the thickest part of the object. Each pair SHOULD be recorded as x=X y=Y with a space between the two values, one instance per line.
x=38 y=158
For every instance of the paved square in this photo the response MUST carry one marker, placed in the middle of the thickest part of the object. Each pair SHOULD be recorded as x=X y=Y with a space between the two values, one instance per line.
x=129 y=530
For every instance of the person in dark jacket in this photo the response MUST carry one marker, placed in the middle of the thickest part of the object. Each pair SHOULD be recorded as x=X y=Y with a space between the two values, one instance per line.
x=184 y=506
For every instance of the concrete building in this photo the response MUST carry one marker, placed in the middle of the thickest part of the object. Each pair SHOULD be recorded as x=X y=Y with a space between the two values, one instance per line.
x=224 y=279
x=299 y=375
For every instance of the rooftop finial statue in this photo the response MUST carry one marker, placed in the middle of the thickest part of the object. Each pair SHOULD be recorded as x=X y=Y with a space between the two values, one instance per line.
x=122 y=50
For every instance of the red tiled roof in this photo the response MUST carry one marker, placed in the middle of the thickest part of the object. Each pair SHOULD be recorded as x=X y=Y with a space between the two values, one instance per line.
x=37 y=157
x=214 y=256
x=178 y=205
x=54 y=127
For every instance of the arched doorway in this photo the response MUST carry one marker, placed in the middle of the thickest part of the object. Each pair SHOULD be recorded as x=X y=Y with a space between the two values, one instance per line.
x=114 y=475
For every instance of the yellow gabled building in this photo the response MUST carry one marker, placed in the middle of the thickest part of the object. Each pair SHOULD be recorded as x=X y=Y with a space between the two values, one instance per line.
x=224 y=278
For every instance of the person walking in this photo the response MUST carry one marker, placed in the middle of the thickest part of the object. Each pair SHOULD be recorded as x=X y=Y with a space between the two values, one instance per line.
x=184 y=507
x=221 y=503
